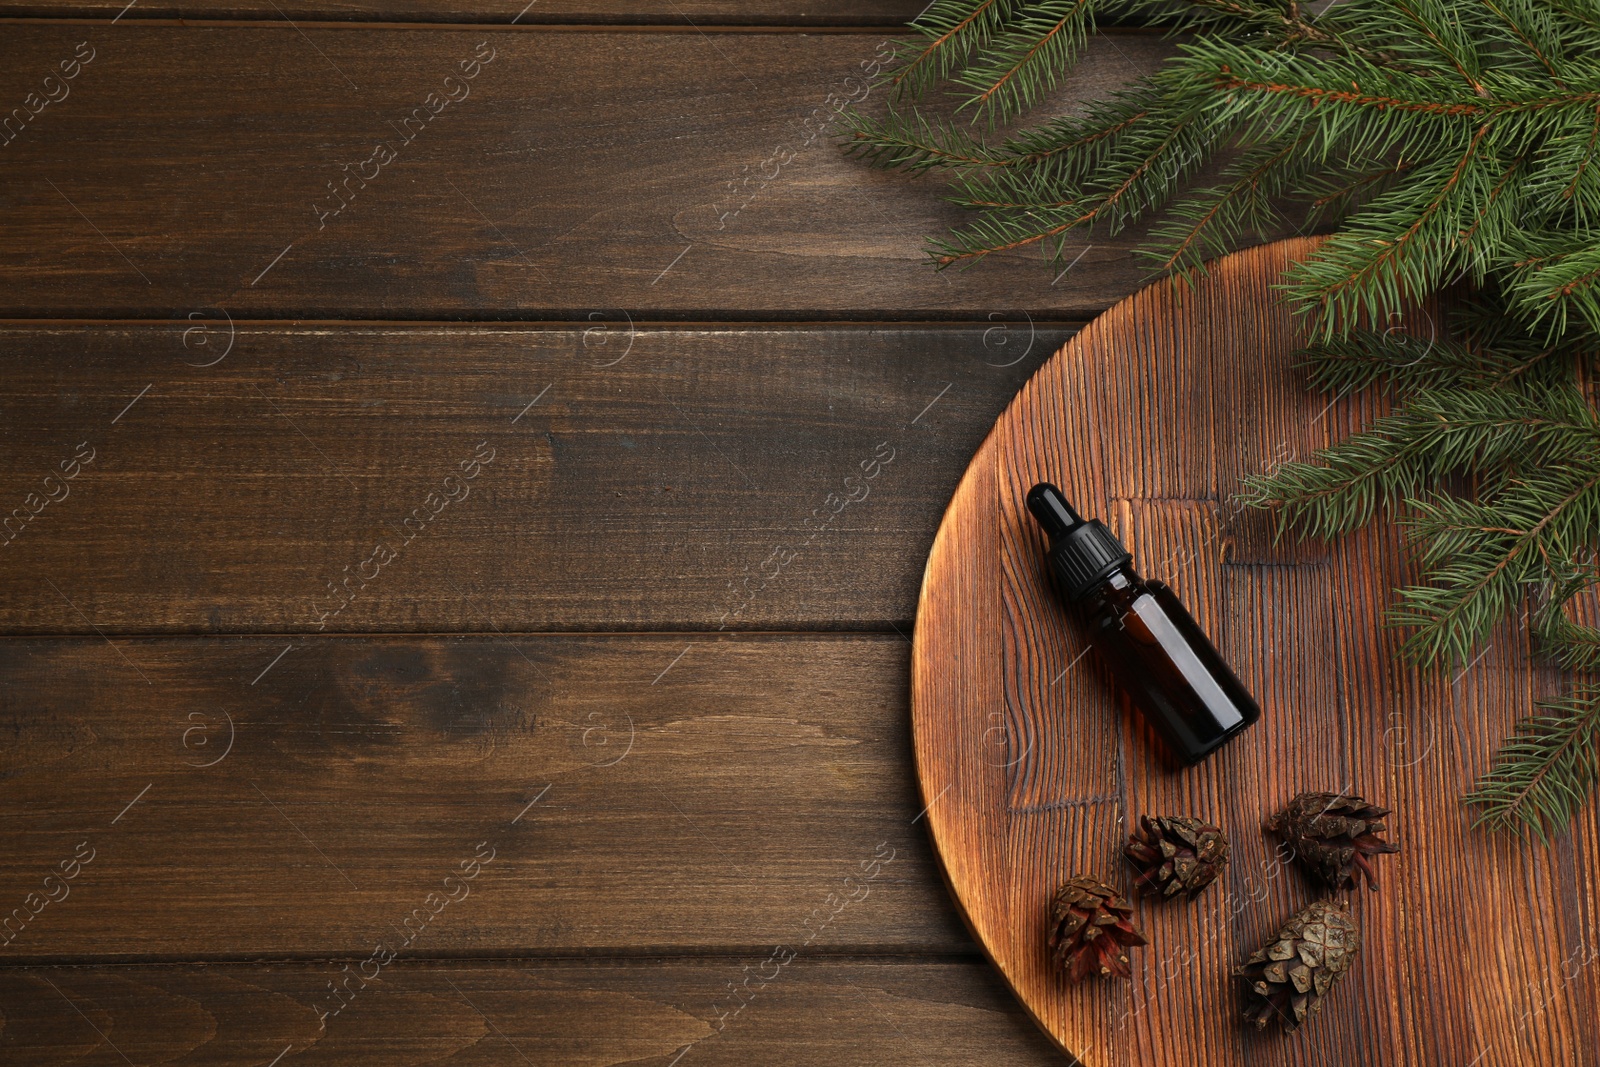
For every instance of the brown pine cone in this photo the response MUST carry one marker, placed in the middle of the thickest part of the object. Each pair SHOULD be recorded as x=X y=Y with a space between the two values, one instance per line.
x=1175 y=855
x=1091 y=930
x=1333 y=834
x=1289 y=978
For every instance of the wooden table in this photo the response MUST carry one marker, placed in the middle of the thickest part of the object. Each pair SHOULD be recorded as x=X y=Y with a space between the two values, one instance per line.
x=449 y=616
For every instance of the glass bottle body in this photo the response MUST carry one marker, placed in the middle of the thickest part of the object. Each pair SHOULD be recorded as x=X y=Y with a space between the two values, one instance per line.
x=1162 y=659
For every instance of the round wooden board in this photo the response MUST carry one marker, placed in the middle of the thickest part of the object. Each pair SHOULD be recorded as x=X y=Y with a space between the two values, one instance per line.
x=1478 y=948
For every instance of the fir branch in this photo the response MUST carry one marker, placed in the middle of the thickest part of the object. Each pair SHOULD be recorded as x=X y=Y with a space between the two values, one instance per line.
x=1557 y=291
x=912 y=142
x=1481 y=557
x=1339 y=193
x=1206 y=222
x=1116 y=182
x=1374 y=264
x=1442 y=137
x=1401 y=457
x=1052 y=161
x=985 y=204
x=1065 y=136
x=1290 y=89
x=1534 y=30
x=916 y=142
x=1344 y=487
x=1571 y=645
x=1006 y=230
x=1400 y=361
x=1029 y=58
x=1568 y=185
x=1448 y=39
x=1403 y=364
x=1545 y=772
x=1276 y=25
x=1506 y=414
x=1581 y=11
x=952 y=30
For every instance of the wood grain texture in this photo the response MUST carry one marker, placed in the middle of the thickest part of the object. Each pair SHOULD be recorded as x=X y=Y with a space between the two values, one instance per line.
x=670 y=175
x=1478 y=948
x=705 y=14
x=667 y=477
x=250 y=798
x=562 y=1013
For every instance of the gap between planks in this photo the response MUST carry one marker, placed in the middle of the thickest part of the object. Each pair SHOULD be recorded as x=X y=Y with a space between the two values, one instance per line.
x=823 y=321
x=680 y=27
x=845 y=954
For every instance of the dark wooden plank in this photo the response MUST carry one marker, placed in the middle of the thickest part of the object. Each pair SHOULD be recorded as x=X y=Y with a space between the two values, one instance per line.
x=678 y=13
x=813 y=1010
x=1477 y=947
x=317 y=478
x=670 y=792
x=672 y=174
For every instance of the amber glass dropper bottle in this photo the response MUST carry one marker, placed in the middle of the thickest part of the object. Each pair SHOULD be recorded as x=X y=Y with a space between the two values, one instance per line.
x=1156 y=651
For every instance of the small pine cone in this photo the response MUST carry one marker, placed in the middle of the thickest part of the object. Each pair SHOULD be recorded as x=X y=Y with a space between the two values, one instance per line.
x=1176 y=855
x=1091 y=929
x=1289 y=977
x=1334 y=833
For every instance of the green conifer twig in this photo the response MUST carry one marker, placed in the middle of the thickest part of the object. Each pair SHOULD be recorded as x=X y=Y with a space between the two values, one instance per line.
x=1546 y=771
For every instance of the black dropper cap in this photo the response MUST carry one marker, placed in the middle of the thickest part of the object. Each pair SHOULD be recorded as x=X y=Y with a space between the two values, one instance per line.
x=1083 y=553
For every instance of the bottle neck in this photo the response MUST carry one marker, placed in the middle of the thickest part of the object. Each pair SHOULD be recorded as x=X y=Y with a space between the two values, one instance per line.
x=1117 y=590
